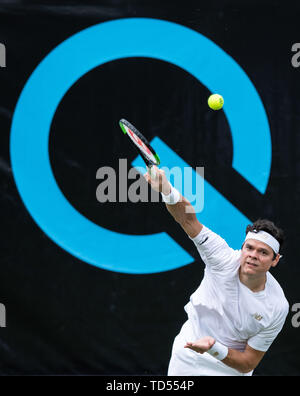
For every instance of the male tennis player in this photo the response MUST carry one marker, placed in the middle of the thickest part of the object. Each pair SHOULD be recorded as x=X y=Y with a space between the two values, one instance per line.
x=239 y=307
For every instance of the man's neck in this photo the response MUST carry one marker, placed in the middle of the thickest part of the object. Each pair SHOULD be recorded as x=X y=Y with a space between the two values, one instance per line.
x=255 y=284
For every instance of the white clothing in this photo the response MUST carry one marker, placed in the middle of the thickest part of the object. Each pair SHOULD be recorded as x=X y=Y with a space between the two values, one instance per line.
x=227 y=310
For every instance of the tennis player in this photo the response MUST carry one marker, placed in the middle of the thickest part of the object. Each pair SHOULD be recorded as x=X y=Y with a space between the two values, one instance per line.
x=239 y=307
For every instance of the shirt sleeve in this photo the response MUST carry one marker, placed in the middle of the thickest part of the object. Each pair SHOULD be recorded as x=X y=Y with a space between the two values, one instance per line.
x=214 y=251
x=263 y=340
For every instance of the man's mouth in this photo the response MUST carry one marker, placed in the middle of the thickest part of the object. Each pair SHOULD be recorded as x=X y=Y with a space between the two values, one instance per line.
x=251 y=264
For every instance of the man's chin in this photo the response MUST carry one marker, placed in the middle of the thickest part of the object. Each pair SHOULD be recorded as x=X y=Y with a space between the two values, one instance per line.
x=249 y=269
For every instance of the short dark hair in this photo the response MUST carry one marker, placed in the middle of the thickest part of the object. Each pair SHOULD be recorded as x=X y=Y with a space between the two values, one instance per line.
x=268 y=226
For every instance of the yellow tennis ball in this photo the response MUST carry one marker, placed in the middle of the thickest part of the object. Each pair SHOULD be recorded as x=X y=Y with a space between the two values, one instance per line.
x=215 y=102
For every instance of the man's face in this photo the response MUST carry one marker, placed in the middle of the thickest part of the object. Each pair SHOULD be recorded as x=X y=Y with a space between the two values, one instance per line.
x=257 y=258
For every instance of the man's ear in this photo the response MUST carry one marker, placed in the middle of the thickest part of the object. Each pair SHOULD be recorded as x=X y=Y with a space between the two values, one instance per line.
x=276 y=260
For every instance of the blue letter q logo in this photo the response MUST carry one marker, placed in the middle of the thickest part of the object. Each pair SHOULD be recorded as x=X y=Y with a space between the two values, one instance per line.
x=105 y=42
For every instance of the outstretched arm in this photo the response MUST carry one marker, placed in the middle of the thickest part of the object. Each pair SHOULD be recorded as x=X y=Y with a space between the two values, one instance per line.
x=244 y=362
x=183 y=212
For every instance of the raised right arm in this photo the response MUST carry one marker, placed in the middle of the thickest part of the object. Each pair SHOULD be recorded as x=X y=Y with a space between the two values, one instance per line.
x=183 y=212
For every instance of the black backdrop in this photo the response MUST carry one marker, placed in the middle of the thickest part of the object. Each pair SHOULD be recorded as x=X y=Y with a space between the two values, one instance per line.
x=67 y=317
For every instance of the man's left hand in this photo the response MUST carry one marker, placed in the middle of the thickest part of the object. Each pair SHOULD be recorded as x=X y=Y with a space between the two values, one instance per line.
x=202 y=345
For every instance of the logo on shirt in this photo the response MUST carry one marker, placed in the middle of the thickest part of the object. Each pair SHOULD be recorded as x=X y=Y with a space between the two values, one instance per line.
x=257 y=316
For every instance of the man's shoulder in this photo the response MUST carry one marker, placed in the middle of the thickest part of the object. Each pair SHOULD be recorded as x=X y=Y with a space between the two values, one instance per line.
x=210 y=240
x=276 y=294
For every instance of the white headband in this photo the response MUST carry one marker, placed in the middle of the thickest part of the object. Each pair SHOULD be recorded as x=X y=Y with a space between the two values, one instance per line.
x=265 y=237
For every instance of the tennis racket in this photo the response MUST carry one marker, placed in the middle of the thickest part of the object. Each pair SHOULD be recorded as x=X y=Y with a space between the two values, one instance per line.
x=144 y=148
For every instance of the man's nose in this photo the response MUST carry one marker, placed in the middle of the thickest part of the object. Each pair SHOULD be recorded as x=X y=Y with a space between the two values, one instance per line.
x=253 y=254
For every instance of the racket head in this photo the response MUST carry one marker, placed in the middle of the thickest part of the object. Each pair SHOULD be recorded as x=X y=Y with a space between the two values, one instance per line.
x=147 y=152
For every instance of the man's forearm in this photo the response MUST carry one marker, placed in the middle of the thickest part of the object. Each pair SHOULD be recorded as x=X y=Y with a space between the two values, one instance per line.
x=184 y=213
x=243 y=362
x=179 y=207
x=238 y=360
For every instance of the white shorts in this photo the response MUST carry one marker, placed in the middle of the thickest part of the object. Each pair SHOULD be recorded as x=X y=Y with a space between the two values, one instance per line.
x=185 y=362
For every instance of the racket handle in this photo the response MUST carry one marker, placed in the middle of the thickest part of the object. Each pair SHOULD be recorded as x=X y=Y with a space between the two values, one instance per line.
x=152 y=172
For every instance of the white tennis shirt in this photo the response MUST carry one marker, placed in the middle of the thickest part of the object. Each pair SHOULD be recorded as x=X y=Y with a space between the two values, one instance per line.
x=224 y=308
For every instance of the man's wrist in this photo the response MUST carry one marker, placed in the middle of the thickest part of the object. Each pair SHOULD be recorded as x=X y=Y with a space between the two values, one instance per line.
x=218 y=351
x=173 y=197
x=166 y=189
